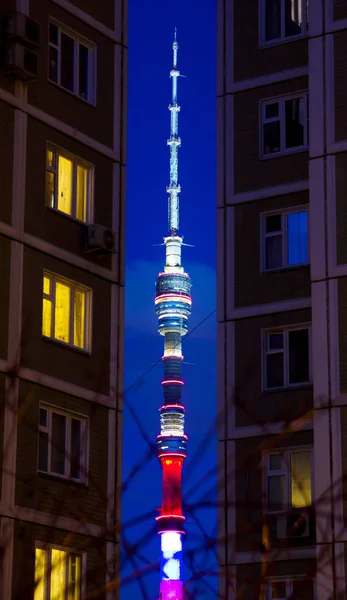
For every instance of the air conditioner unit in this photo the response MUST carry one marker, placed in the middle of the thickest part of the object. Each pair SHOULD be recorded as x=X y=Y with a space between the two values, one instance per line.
x=23 y=29
x=293 y=525
x=21 y=62
x=100 y=238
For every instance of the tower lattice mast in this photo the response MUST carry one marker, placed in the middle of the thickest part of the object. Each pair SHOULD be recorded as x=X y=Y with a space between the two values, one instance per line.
x=173 y=306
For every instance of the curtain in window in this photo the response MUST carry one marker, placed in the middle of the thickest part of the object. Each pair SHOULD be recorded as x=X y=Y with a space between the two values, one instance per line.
x=301 y=479
x=58 y=570
x=293 y=17
x=62 y=312
x=75 y=563
x=81 y=193
x=65 y=174
x=79 y=318
x=40 y=568
x=297 y=238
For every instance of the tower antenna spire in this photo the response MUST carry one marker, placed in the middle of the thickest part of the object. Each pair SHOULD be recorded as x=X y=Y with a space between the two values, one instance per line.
x=172 y=306
x=174 y=142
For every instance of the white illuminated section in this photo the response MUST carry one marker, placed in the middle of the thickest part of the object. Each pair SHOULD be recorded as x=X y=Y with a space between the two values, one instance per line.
x=172 y=570
x=170 y=543
x=173 y=251
x=171 y=424
x=173 y=347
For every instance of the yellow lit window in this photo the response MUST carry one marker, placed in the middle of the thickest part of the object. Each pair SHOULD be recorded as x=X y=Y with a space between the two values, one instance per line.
x=68 y=185
x=289 y=483
x=58 y=574
x=66 y=310
x=301 y=479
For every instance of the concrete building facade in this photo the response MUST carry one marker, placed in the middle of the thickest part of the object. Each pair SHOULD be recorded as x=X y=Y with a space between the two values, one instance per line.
x=282 y=292
x=63 y=82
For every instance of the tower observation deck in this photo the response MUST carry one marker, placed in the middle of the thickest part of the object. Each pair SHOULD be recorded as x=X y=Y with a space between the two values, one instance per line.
x=173 y=306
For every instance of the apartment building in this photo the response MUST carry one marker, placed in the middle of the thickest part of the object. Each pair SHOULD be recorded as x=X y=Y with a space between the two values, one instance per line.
x=62 y=221
x=282 y=296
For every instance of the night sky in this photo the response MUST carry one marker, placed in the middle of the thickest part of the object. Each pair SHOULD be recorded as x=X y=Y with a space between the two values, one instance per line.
x=151 y=26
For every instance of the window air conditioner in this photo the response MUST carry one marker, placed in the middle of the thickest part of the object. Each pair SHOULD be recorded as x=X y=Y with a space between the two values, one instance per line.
x=100 y=238
x=21 y=62
x=23 y=29
x=293 y=525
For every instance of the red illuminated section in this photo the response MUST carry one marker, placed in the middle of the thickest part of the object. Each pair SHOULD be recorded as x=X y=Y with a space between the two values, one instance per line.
x=172 y=480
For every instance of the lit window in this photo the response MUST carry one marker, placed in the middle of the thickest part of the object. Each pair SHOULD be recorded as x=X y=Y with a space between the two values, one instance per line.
x=69 y=185
x=288 y=476
x=58 y=574
x=66 y=312
x=290 y=589
x=287 y=359
x=62 y=444
x=284 y=19
x=71 y=62
x=284 y=125
x=285 y=240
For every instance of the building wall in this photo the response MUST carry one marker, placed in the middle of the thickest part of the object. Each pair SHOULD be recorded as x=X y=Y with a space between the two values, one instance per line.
x=250 y=300
x=37 y=507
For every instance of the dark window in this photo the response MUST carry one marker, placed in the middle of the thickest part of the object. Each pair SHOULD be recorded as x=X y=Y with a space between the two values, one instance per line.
x=67 y=62
x=287 y=358
x=284 y=125
x=298 y=356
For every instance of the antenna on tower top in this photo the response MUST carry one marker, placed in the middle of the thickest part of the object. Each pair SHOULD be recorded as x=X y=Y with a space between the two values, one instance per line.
x=174 y=142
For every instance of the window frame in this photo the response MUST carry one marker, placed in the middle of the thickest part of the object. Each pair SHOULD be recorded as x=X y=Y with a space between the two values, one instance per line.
x=54 y=278
x=285 y=330
x=284 y=212
x=92 y=62
x=69 y=415
x=283 y=39
x=76 y=160
x=289 y=581
x=68 y=551
x=281 y=100
x=287 y=453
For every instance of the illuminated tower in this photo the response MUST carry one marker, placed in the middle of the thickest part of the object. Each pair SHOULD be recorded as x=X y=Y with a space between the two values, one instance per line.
x=173 y=306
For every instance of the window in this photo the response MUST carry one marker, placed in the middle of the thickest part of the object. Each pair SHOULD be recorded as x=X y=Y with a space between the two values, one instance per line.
x=69 y=185
x=66 y=312
x=71 y=62
x=284 y=125
x=287 y=357
x=289 y=589
x=58 y=574
x=288 y=476
x=285 y=240
x=284 y=19
x=62 y=444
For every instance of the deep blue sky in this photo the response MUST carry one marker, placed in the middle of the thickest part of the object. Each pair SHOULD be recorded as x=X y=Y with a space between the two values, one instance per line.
x=151 y=26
